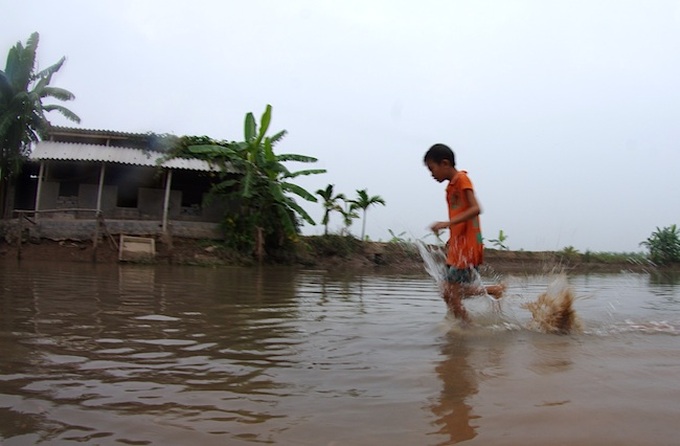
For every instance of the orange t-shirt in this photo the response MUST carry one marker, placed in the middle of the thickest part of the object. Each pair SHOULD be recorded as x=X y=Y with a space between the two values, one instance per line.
x=465 y=245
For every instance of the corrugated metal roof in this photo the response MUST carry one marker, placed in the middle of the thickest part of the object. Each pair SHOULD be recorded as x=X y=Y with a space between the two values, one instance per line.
x=51 y=150
x=59 y=130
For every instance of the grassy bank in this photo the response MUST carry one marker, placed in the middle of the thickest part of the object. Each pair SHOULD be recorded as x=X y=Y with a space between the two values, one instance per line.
x=327 y=252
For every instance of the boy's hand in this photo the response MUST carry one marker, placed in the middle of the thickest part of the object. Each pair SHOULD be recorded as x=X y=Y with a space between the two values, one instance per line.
x=438 y=226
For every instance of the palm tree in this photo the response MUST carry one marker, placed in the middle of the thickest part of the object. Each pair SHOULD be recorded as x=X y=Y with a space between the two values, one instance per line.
x=22 y=112
x=348 y=214
x=329 y=204
x=363 y=202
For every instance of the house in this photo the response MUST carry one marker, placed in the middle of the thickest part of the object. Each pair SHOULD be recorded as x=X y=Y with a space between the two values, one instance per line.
x=77 y=174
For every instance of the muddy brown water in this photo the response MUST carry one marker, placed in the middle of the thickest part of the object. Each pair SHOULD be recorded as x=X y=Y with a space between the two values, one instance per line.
x=162 y=355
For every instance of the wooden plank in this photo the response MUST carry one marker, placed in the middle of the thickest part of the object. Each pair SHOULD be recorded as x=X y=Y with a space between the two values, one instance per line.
x=133 y=248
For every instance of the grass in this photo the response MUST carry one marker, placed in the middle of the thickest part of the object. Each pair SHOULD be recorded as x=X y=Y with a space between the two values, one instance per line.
x=614 y=257
x=332 y=245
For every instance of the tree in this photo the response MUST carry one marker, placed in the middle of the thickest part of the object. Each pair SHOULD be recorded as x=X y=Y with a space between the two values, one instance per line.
x=265 y=214
x=330 y=204
x=22 y=112
x=348 y=214
x=664 y=245
x=363 y=202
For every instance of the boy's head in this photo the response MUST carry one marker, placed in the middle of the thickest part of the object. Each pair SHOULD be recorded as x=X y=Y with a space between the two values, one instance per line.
x=441 y=161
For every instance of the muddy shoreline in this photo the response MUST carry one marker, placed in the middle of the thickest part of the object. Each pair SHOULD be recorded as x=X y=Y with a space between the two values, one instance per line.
x=370 y=256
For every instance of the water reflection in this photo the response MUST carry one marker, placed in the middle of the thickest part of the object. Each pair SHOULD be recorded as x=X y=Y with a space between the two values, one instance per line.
x=153 y=346
x=551 y=354
x=110 y=355
x=666 y=285
x=454 y=414
x=661 y=277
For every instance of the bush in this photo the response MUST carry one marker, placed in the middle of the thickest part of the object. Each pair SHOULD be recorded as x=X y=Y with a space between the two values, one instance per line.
x=664 y=245
x=334 y=245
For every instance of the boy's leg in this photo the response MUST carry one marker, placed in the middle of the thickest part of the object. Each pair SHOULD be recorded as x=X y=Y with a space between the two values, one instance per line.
x=496 y=290
x=453 y=296
x=474 y=287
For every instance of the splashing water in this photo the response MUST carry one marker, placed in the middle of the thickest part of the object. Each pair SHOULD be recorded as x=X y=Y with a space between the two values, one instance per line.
x=434 y=260
x=552 y=311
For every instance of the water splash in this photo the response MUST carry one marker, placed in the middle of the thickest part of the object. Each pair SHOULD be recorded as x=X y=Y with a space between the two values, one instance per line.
x=552 y=311
x=648 y=327
x=434 y=261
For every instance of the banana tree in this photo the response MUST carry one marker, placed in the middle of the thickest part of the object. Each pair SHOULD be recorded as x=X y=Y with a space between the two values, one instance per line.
x=664 y=245
x=22 y=112
x=262 y=187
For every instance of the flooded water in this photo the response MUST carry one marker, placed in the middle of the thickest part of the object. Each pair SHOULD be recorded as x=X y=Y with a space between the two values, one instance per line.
x=136 y=355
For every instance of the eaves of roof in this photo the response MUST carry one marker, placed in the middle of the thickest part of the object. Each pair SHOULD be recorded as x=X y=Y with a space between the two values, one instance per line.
x=71 y=131
x=51 y=150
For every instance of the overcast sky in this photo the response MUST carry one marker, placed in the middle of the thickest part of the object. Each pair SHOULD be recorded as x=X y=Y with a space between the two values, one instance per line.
x=566 y=114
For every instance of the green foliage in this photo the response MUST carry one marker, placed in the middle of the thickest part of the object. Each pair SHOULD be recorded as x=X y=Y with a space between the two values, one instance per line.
x=330 y=204
x=334 y=245
x=614 y=257
x=257 y=182
x=664 y=245
x=349 y=209
x=397 y=238
x=348 y=214
x=569 y=254
x=664 y=277
x=22 y=112
x=363 y=202
x=500 y=241
x=239 y=232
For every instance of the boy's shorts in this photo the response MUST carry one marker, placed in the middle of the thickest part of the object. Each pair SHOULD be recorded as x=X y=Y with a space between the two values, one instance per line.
x=463 y=276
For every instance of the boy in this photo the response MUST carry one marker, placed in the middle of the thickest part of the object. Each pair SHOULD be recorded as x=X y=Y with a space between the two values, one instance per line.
x=465 y=248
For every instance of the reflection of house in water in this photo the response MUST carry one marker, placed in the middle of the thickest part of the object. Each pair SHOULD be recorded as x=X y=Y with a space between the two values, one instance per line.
x=77 y=172
x=136 y=281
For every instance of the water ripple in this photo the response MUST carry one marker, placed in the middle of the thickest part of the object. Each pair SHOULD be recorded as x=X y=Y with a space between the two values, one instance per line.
x=239 y=356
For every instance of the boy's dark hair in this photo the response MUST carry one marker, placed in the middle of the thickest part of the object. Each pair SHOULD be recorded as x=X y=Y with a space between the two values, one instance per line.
x=439 y=153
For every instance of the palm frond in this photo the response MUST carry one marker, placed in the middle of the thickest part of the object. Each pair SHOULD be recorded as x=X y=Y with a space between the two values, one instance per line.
x=6 y=90
x=58 y=93
x=276 y=191
x=279 y=136
x=239 y=146
x=249 y=127
x=265 y=120
x=305 y=172
x=65 y=112
x=285 y=218
x=49 y=71
x=21 y=61
x=299 y=191
x=269 y=150
x=247 y=190
x=297 y=158
x=301 y=212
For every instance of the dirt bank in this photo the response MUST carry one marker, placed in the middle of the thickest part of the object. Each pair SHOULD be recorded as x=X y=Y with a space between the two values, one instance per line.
x=311 y=253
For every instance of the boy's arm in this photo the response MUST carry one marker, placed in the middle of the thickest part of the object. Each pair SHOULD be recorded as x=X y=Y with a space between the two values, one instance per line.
x=472 y=211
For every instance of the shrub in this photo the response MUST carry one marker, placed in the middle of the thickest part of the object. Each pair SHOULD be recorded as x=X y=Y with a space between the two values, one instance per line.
x=664 y=245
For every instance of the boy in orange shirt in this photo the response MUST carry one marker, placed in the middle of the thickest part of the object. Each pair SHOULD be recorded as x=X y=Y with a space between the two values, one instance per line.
x=465 y=247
